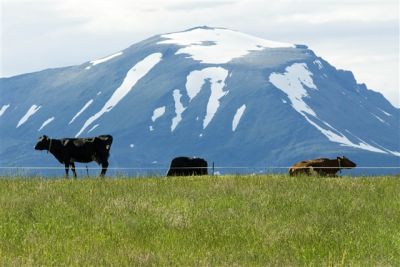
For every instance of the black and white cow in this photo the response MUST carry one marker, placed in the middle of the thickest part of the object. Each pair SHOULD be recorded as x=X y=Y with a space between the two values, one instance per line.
x=185 y=166
x=70 y=150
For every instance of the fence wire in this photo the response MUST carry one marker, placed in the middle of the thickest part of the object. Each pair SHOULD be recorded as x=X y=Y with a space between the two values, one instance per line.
x=87 y=171
x=215 y=167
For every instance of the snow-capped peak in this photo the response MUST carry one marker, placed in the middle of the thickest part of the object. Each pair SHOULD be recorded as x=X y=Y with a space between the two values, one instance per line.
x=244 y=108
x=218 y=45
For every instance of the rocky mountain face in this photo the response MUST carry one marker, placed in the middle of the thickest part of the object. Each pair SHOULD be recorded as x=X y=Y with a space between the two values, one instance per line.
x=231 y=98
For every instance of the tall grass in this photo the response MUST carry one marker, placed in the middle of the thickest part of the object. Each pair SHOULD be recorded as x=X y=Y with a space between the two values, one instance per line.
x=227 y=220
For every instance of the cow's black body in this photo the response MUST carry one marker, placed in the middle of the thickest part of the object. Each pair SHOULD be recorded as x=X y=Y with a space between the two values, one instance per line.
x=185 y=166
x=70 y=150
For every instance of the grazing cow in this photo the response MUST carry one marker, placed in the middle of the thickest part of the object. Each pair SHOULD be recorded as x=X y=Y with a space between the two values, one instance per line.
x=323 y=167
x=185 y=166
x=70 y=150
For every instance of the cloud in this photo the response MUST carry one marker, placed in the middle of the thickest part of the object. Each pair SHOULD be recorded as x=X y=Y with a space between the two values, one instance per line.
x=196 y=5
x=349 y=34
x=342 y=12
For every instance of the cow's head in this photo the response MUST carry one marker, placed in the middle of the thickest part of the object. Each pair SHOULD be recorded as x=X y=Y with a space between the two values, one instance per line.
x=43 y=143
x=345 y=163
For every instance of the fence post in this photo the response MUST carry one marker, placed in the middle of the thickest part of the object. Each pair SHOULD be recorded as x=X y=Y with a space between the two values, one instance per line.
x=213 y=169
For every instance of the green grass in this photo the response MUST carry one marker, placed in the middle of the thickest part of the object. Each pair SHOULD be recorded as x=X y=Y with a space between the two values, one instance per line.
x=213 y=221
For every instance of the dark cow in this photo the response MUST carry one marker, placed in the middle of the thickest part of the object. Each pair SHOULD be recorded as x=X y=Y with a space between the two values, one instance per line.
x=185 y=166
x=323 y=166
x=70 y=150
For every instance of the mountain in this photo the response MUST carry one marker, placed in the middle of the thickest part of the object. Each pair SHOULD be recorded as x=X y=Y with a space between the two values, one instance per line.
x=231 y=98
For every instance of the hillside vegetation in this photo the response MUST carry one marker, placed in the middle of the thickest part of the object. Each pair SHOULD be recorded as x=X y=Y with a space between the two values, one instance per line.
x=213 y=221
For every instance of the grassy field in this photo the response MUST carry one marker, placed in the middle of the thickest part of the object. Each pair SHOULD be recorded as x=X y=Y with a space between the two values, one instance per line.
x=202 y=221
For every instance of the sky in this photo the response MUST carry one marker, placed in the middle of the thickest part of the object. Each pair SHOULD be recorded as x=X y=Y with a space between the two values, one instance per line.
x=361 y=36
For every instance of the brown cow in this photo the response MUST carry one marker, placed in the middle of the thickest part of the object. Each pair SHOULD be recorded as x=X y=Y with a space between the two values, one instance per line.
x=322 y=167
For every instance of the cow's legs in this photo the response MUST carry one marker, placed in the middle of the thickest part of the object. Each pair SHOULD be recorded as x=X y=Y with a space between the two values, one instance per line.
x=104 y=166
x=73 y=169
x=66 y=169
x=305 y=171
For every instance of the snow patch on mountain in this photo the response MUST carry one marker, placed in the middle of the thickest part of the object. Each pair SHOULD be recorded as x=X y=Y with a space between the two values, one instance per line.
x=102 y=60
x=32 y=110
x=137 y=72
x=318 y=63
x=94 y=127
x=340 y=138
x=81 y=110
x=396 y=153
x=291 y=82
x=379 y=118
x=217 y=92
x=3 y=109
x=237 y=117
x=195 y=81
x=384 y=112
x=217 y=46
x=179 y=109
x=45 y=123
x=157 y=113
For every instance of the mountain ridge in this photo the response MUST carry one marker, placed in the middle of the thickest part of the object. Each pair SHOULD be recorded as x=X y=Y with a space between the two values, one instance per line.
x=278 y=123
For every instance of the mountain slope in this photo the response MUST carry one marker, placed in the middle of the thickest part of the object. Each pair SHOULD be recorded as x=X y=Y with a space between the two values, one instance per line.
x=215 y=93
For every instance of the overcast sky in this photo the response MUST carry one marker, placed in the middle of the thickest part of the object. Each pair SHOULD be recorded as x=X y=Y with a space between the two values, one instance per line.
x=361 y=36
